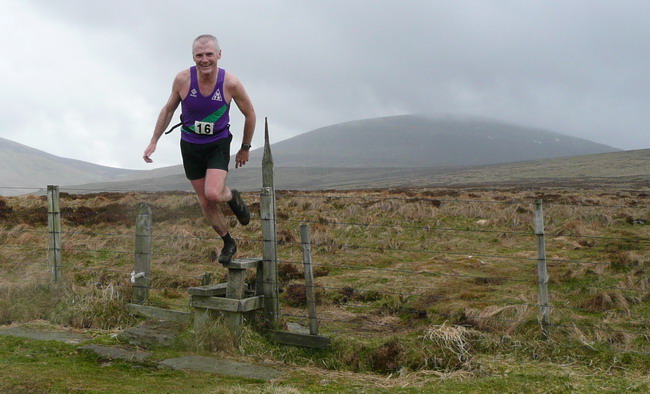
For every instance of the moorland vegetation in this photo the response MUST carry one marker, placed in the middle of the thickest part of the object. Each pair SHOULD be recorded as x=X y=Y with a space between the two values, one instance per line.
x=418 y=282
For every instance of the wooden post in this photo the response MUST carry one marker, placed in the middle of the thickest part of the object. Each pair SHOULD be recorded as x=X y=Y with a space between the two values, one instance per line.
x=141 y=276
x=269 y=257
x=309 y=279
x=542 y=272
x=267 y=160
x=235 y=290
x=269 y=266
x=54 y=230
x=267 y=181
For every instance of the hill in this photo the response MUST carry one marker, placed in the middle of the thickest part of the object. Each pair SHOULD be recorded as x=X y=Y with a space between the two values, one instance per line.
x=629 y=169
x=420 y=141
x=21 y=165
x=363 y=153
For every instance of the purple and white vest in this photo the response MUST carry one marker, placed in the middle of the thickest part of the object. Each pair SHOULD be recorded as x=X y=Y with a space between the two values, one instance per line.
x=205 y=118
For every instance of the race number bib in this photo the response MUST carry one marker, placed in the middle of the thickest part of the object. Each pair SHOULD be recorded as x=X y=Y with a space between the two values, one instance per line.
x=204 y=128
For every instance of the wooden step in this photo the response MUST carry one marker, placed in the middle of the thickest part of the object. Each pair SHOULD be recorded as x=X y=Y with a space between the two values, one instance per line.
x=228 y=304
x=242 y=264
x=216 y=290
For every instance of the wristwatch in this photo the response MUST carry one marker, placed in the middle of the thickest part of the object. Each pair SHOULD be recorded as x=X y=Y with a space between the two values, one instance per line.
x=245 y=146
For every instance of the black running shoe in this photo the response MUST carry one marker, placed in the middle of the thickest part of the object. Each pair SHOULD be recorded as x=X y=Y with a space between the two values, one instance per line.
x=227 y=253
x=239 y=208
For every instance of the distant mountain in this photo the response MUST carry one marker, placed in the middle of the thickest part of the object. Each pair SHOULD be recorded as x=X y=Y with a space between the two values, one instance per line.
x=341 y=154
x=420 y=141
x=22 y=166
x=628 y=169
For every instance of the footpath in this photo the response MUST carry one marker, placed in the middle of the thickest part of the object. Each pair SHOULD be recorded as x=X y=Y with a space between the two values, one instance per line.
x=150 y=333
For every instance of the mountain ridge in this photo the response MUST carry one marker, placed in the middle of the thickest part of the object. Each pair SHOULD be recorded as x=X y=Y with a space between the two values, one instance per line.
x=422 y=141
x=385 y=144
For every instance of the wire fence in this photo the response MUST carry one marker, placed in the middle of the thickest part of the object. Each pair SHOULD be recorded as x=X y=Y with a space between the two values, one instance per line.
x=471 y=260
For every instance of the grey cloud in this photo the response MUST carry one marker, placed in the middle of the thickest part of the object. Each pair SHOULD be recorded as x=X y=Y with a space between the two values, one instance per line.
x=577 y=66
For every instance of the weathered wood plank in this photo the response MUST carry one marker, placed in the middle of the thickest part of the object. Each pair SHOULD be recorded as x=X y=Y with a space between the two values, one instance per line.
x=159 y=313
x=243 y=264
x=218 y=289
x=542 y=272
x=309 y=279
x=235 y=285
x=141 y=276
x=54 y=230
x=290 y=338
x=222 y=304
x=227 y=304
x=251 y=304
x=270 y=269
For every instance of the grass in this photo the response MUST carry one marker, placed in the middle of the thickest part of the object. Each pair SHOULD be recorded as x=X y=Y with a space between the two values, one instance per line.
x=33 y=366
x=432 y=288
x=36 y=366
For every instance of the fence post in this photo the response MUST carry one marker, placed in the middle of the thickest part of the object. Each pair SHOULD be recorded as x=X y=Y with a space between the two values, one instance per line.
x=542 y=273
x=270 y=253
x=270 y=258
x=141 y=275
x=54 y=230
x=310 y=291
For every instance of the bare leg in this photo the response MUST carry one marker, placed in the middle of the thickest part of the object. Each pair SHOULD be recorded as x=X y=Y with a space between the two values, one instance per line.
x=212 y=191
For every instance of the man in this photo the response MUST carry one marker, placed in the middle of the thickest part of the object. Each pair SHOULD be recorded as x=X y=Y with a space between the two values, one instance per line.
x=205 y=92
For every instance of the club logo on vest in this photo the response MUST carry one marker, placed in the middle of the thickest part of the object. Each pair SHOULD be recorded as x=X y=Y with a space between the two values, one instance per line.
x=217 y=96
x=193 y=93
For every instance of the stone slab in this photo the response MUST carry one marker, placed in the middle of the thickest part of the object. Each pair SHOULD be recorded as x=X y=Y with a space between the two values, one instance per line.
x=59 y=336
x=116 y=353
x=151 y=333
x=159 y=313
x=295 y=339
x=222 y=367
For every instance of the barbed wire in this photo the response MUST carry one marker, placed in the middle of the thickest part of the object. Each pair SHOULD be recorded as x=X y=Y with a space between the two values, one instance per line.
x=443 y=200
x=284 y=193
x=412 y=290
x=425 y=228
x=339 y=265
x=483 y=318
x=23 y=187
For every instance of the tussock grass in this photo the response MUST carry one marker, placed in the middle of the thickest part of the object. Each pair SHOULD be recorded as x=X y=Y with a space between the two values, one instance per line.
x=448 y=348
x=65 y=304
x=407 y=274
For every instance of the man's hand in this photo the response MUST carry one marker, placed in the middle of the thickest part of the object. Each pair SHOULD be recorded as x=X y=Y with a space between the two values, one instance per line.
x=241 y=158
x=148 y=152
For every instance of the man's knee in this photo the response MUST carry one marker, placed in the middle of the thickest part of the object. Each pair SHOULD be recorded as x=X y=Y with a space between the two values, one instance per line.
x=215 y=197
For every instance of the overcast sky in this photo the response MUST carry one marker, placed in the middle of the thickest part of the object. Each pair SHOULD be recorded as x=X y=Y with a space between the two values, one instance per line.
x=86 y=79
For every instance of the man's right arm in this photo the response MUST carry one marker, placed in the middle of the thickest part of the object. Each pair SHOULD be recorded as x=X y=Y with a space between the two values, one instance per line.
x=165 y=117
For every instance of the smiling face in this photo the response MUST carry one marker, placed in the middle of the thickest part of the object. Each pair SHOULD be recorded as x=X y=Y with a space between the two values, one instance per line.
x=206 y=54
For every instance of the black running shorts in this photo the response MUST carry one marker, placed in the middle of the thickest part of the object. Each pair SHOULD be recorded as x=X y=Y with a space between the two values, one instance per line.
x=197 y=158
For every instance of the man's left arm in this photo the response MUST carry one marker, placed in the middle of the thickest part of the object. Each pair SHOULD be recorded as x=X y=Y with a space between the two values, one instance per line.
x=245 y=105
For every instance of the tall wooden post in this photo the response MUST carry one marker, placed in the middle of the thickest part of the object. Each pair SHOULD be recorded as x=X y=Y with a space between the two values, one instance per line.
x=270 y=253
x=309 y=279
x=542 y=272
x=141 y=276
x=54 y=231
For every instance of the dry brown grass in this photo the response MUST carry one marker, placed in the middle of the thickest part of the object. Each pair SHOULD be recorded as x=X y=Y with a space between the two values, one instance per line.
x=412 y=257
